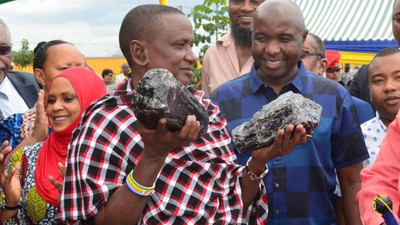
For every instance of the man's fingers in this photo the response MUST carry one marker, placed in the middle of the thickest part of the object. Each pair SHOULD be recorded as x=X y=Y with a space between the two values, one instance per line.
x=56 y=184
x=4 y=145
x=62 y=169
x=300 y=135
x=191 y=129
x=4 y=159
x=289 y=132
x=14 y=172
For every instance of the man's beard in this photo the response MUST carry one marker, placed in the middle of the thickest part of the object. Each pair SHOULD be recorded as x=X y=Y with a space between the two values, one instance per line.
x=241 y=35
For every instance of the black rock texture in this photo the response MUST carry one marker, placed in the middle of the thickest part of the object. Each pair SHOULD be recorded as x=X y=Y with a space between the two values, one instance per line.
x=261 y=130
x=159 y=95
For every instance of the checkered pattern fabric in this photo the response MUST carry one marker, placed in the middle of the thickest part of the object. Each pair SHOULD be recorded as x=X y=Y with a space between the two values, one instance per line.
x=300 y=185
x=125 y=85
x=199 y=184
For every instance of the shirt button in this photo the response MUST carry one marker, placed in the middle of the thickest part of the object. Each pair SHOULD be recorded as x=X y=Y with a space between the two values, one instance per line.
x=277 y=158
x=276 y=185
x=277 y=211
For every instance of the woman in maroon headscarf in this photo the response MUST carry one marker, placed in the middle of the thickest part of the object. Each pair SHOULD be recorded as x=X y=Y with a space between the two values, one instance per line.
x=30 y=197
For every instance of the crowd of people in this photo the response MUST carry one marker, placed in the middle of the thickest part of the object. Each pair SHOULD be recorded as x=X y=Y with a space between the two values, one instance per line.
x=73 y=151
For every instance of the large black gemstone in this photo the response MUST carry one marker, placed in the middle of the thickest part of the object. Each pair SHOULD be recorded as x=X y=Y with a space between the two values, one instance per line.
x=261 y=130
x=159 y=95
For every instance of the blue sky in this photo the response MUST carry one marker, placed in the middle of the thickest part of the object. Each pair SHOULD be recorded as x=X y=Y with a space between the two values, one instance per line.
x=92 y=25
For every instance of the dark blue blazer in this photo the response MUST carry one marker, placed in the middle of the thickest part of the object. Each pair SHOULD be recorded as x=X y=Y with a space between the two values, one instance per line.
x=26 y=86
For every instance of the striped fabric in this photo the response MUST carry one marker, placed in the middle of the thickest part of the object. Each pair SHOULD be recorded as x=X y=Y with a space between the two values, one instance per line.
x=221 y=64
x=344 y=20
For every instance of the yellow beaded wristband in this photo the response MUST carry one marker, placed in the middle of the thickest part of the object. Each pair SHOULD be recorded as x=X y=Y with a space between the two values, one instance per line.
x=137 y=188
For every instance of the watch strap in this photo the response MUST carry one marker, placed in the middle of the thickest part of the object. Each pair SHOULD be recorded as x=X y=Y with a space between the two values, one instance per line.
x=7 y=207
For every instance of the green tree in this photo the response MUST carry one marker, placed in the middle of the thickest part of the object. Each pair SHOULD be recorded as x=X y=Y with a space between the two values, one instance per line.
x=24 y=57
x=211 y=21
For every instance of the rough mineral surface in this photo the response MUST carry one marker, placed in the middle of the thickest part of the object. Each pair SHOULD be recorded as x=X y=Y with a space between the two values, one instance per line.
x=160 y=95
x=289 y=108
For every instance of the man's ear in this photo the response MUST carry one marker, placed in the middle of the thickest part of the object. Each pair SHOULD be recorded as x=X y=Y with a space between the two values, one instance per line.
x=305 y=33
x=139 y=52
x=39 y=76
x=322 y=66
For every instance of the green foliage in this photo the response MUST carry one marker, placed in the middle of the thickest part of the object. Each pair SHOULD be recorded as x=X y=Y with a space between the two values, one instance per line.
x=211 y=21
x=24 y=57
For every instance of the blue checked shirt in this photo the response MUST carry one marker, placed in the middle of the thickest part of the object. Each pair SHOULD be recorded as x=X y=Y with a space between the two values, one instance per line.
x=300 y=185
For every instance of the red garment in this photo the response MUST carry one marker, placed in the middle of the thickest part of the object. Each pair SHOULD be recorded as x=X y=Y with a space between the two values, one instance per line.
x=88 y=87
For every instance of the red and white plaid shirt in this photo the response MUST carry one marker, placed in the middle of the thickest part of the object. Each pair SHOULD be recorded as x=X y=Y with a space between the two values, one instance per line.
x=199 y=183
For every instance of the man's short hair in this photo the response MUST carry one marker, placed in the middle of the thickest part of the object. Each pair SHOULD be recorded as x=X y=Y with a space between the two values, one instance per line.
x=105 y=72
x=382 y=53
x=8 y=35
x=319 y=45
x=386 y=52
x=142 y=22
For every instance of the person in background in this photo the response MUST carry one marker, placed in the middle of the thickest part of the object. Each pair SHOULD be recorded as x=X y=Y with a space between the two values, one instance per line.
x=384 y=85
x=314 y=55
x=302 y=184
x=159 y=176
x=315 y=62
x=333 y=71
x=359 y=85
x=125 y=72
x=230 y=56
x=363 y=109
x=18 y=91
x=50 y=58
x=30 y=196
x=382 y=136
x=107 y=75
x=347 y=75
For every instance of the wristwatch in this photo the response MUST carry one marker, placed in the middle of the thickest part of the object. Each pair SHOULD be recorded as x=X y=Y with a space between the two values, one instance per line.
x=4 y=205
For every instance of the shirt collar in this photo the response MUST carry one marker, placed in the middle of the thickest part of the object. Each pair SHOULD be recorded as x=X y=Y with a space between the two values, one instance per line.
x=226 y=40
x=298 y=81
x=5 y=85
x=380 y=123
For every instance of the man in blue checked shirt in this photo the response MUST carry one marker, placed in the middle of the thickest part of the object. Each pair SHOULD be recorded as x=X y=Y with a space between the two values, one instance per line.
x=300 y=185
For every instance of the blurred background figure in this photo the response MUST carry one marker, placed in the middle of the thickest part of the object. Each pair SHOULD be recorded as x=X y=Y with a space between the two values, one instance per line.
x=107 y=75
x=18 y=91
x=125 y=73
x=230 y=56
x=314 y=55
x=348 y=74
x=333 y=71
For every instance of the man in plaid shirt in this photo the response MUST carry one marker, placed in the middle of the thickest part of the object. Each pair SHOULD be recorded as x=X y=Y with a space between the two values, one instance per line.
x=196 y=180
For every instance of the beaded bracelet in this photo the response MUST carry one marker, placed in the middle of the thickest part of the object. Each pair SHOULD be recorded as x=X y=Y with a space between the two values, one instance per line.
x=252 y=175
x=138 y=189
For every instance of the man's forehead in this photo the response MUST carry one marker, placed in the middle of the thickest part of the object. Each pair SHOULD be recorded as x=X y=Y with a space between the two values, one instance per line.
x=382 y=61
x=396 y=6
x=4 y=38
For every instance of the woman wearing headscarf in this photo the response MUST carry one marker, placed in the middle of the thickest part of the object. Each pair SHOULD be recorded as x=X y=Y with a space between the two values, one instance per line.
x=50 y=58
x=30 y=196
